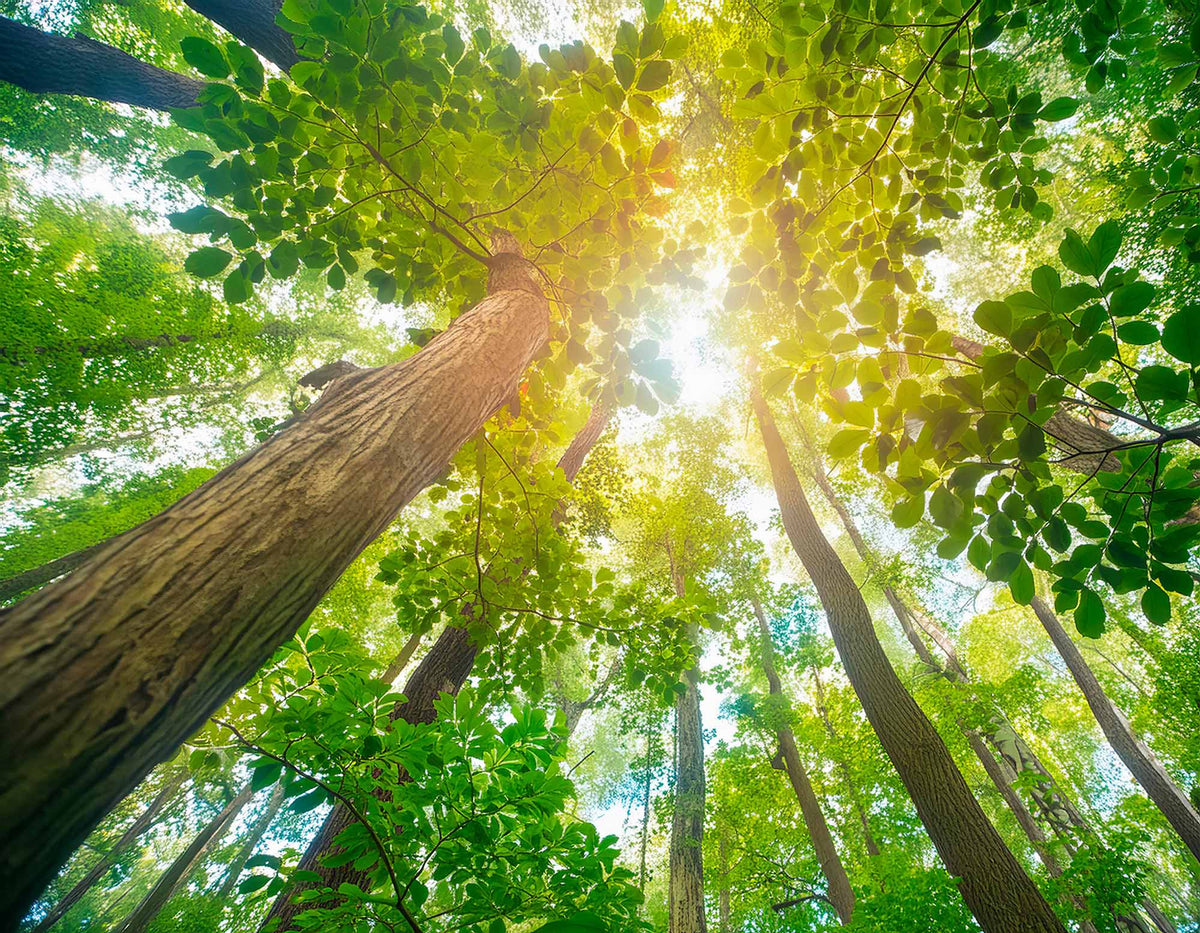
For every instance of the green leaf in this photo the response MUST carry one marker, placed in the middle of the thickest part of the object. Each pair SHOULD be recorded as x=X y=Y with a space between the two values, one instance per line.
x=1020 y=584
x=1162 y=383
x=1059 y=109
x=656 y=74
x=1138 y=333
x=1181 y=335
x=1131 y=299
x=907 y=512
x=1090 y=614
x=582 y=922
x=1156 y=603
x=253 y=883
x=1031 y=442
x=995 y=317
x=205 y=57
x=1163 y=129
x=646 y=400
x=207 y=262
x=1075 y=255
x=1104 y=245
x=653 y=9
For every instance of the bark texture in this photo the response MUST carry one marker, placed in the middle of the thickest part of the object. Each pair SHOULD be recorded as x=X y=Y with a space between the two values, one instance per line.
x=995 y=887
x=171 y=879
x=253 y=22
x=45 y=63
x=104 y=673
x=51 y=570
x=164 y=797
x=685 y=892
x=1137 y=757
x=841 y=895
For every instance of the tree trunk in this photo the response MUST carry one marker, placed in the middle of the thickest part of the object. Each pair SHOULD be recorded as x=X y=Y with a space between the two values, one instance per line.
x=51 y=570
x=45 y=63
x=400 y=661
x=253 y=836
x=443 y=670
x=100 y=869
x=995 y=887
x=104 y=673
x=841 y=895
x=170 y=880
x=868 y=837
x=1140 y=761
x=686 y=885
x=723 y=894
x=645 y=813
x=253 y=22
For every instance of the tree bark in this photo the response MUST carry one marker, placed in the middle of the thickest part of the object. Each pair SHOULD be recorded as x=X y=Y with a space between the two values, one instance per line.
x=645 y=814
x=400 y=661
x=443 y=670
x=51 y=570
x=685 y=901
x=841 y=895
x=253 y=22
x=253 y=837
x=993 y=884
x=1137 y=757
x=723 y=893
x=170 y=880
x=45 y=63
x=104 y=673
x=100 y=869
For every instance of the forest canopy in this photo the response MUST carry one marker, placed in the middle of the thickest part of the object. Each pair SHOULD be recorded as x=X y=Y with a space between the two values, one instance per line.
x=494 y=466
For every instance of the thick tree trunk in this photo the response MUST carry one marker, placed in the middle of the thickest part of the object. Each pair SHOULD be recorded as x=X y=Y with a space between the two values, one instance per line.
x=170 y=880
x=443 y=670
x=253 y=837
x=995 y=887
x=685 y=900
x=841 y=895
x=165 y=796
x=1140 y=761
x=46 y=63
x=104 y=673
x=253 y=22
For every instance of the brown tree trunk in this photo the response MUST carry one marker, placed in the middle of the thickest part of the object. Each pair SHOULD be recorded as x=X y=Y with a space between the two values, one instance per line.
x=995 y=887
x=253 y=836
x=253 y=22
x=45 y=63
x=443 y=670
x=51 y=570
x=100 y=869
x=841 y=895
x=171 y=879
x=104 y=673
x=1137 y=757
x=400 y=661
x=685 y=899
x=723 y=893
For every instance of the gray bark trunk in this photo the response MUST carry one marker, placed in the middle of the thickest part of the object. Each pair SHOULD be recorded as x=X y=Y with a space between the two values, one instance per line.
x=105 y=672
x=992 y=882
x=253 y=837
x=253 y=22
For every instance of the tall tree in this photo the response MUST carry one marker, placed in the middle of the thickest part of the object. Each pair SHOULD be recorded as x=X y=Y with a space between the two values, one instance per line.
x=993 y=883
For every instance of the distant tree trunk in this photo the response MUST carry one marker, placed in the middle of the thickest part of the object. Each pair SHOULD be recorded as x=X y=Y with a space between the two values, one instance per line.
x=841 y=895
x=685 y=899
x=995 y=887
x=645 y=814
x=45 y=63
x=253 y=22
x=868 y=837
x=443 y=670
x=170 y=880
x=400 y=661
x=723 y=893
x=1140 y=761
x=253 y=837
x=165 y=796
x=105 y=672
x=51 y=570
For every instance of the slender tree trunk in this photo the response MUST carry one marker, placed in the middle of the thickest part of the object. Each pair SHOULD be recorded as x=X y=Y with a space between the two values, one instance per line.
x=165 y=796
x=104 y=673
x=723 y=894
x=645 y=813
x=1140 y=761
x=400 y=661
x=868 y=837
x=841 y=895
x=45 y=63
x=995 y=887
x=51 y=570
x=253 y=22
x=686 y=886
x=443 y=670
x=253 y=837
x=171 y=879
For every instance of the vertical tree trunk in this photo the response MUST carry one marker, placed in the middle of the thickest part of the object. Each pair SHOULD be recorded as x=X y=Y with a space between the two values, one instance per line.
x=841 y=895
x=105 y=672
x=170 y=880
x=253 y=836
x=645 y=814
x=253 y=22
x=685 y=899
x=169 y=789
x=995 y=887
x=1140 y=761
x=400 y=661
x=443 y=670
x=868 y=837
x=45 y=63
